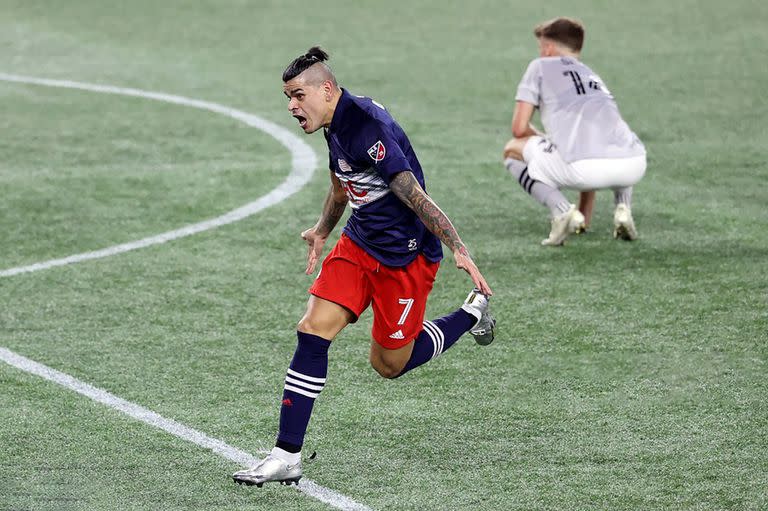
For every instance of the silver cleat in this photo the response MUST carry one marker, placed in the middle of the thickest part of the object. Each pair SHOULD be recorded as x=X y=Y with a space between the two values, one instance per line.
x=269 y=469
x=477 y=305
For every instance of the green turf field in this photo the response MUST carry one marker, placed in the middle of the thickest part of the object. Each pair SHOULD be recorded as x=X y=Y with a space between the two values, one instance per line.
x=624 y=376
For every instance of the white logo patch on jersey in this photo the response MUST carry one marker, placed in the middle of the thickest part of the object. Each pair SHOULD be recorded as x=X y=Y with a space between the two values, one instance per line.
x=344 y=166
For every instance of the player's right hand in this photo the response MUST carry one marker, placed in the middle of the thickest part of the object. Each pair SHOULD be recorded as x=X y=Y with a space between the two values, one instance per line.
x=315 y=244
x=464 y=262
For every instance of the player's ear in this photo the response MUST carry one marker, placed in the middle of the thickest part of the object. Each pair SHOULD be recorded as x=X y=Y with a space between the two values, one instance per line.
x=327 y=88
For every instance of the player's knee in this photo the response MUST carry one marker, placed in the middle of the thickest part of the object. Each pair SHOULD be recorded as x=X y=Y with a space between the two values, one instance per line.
x=312 y=325
x=514 y=148
x=385 y=369
x=387 y=372
x=509 y=151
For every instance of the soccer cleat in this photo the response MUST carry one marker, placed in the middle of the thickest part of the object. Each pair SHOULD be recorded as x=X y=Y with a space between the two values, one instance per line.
x=477 y=305
x=564 y=224
x=623 y=225
x=269 y=469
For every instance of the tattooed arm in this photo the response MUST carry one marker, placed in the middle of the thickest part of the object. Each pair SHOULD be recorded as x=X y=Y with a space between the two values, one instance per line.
x=333 y=209
x=410 y=192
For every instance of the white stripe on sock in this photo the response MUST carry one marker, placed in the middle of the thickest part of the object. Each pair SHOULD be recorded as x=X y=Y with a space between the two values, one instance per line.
x=302 y=384
x=440 y=334
x=437 y=337
x=305 y=377
x=303 y=392
x=435 y=344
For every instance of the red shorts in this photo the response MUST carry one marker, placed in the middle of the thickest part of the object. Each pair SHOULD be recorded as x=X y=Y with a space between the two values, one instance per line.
x=352 y=278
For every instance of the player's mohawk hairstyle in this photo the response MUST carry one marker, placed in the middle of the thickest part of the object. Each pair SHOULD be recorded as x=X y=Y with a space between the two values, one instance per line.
x=304 y=62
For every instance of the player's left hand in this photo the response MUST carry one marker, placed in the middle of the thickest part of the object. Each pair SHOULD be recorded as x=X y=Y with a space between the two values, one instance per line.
x=464 y=261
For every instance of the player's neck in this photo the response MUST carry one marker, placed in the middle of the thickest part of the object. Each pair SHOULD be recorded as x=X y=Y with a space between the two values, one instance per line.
x=566 y=53
x=336 y=96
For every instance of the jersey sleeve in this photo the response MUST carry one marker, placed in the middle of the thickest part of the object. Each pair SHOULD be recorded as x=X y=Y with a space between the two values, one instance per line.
x=379 y=146
x=529 y=89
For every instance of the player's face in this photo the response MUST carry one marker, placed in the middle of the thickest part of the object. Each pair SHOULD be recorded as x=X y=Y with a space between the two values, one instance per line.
x=309 y=104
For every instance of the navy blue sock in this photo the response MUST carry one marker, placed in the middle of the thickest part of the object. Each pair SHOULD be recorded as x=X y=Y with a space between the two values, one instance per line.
x=438 y=336
x=303 y=383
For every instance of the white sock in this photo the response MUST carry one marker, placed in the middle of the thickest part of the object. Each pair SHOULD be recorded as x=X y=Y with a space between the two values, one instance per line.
x=515 y=167
x=550 y=197
x=289 y=457
x=623 y=196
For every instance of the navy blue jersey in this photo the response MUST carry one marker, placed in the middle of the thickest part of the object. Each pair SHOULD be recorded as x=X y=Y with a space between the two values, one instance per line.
x=367 y=148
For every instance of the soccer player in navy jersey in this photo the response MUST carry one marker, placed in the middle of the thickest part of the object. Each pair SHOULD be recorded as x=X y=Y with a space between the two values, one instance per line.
x=387 y=256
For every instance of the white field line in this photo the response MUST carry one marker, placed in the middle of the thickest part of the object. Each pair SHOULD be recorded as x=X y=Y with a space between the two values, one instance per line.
x=303 y=164
x=304 y=161
x=142 y=414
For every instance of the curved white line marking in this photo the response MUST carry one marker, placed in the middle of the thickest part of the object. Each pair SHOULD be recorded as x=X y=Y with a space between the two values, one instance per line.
x=303 y=164
x=142 y=414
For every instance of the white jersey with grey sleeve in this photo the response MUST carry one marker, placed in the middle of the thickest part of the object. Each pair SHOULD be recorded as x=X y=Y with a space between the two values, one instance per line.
x=578 y=112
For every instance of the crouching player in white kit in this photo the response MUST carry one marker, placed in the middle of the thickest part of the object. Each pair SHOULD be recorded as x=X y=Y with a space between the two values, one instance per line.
x=586 y=146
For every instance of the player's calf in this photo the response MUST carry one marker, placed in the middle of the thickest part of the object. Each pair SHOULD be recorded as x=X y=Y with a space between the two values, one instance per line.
x=442 y=333
x=566 y=219
x=546 y=195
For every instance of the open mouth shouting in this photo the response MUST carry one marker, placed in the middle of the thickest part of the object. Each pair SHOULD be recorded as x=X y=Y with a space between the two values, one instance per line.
x=302 y=121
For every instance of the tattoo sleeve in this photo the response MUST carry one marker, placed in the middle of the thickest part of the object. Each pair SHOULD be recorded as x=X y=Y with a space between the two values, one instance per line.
x=333 y=208
x=410 y=192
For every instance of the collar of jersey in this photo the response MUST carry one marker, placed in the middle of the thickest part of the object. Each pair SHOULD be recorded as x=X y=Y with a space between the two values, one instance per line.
x=338 y=114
